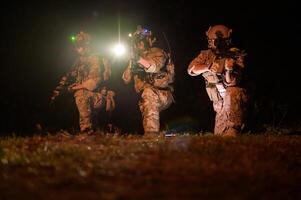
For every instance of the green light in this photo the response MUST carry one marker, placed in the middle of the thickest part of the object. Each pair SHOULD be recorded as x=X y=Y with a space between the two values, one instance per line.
x=72 y=38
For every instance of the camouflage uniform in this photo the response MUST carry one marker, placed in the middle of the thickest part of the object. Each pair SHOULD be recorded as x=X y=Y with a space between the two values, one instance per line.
x=89 y=71
x=154 y=86
x=92 y=99
x=228 y=96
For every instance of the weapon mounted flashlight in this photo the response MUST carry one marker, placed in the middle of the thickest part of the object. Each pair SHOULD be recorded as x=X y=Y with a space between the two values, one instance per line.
x=119 y=49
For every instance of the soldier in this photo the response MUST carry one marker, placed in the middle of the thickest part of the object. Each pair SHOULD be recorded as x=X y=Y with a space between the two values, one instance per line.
x=222 y=67
x=153 y=72
x=86 y=81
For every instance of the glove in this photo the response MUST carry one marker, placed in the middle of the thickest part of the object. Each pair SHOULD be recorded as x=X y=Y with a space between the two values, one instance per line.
x=229 y=64
x=215 y=67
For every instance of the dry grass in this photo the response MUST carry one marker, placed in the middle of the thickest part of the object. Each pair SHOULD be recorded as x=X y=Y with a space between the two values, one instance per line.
x=64 y=166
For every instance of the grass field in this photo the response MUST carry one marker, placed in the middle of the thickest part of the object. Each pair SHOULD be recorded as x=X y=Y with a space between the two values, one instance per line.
x=98 y=166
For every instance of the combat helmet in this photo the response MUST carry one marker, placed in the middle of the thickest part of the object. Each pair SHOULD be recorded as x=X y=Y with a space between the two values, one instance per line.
x=82 y=39
x=143 y=34
x=218 y=31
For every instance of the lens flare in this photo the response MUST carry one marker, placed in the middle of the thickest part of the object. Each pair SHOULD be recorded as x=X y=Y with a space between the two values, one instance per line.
x=119 y=49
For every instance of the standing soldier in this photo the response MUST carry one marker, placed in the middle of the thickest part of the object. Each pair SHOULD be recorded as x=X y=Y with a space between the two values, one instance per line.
x=86 y=81
x=222 y=65
x=153 y=72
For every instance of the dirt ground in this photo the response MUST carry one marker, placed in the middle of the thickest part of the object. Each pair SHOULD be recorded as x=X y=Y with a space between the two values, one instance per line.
x=187 y=166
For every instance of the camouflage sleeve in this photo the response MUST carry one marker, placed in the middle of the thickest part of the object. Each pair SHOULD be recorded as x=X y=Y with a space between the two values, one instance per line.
x=168 y=76
x=171 y=72
x=93 y=79
x=199 y=64
x=59 y=88
x=127 y=74
x=156 y=59
x=64 y=82
x=107 y=69
x=233 y=77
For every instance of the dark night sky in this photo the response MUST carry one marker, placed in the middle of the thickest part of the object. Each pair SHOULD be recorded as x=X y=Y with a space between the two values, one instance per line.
x=36 y=51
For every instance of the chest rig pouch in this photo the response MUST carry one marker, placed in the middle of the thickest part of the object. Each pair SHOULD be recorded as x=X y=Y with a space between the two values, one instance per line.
x=214 y=86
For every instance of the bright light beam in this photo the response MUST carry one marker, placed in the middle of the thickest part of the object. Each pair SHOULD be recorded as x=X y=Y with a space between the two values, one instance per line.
x=119 y=49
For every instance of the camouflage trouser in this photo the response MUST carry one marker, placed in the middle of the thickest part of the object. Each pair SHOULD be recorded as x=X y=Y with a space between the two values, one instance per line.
x=231 y=112
x=153 y=101
x=89 y=104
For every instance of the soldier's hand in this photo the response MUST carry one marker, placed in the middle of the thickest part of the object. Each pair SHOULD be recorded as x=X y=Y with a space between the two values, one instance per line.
x=55 y=93
x=229 y=63
x=70 y=87
x=170 y=67
x=214 y=67
x=52 y=101
x=77 y=87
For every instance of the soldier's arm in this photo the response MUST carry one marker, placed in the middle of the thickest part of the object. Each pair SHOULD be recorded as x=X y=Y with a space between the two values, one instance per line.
x=60 y=87
x=198 y=65
x=170 y=75
x=233 y=70
x=171 y=71
x=127 y=74
x=153 y=61
x=94 y=78
x=107 y=69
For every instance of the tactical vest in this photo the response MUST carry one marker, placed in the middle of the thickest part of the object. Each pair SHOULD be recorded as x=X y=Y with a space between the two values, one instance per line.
x=214 y=86
x=161 y=79
x=157 y=80
x=82 y=70
x=214 y=81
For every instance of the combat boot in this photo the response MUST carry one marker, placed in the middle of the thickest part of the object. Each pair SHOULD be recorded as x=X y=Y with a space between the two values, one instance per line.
x=153 y=134
x=231 y=132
